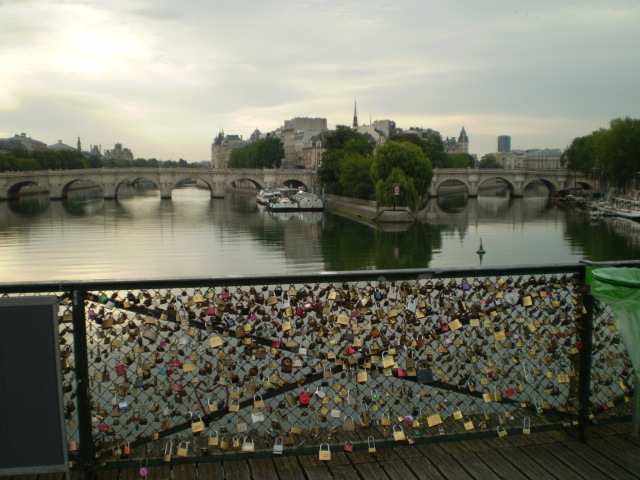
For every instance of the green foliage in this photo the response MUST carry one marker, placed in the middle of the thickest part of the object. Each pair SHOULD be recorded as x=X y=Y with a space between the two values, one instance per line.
x=461 y=160
x=354 y=176
x=430 y=143
x=385 y=190
x=264 y=153
x=346 y=142
x=610 y=155
x=22 y=160
x=414 y=166
x=490 y=161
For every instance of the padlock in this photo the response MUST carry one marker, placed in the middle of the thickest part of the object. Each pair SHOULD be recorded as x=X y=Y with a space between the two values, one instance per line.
x=348 y=446
x=183 y=449
x=278 y=445
x=168 y=448
x=286 y=365
x=197 y=425
x=398 y=433
x=213 y=441
x=305 y=398
x=371 y=441
x=248 y=444
x=325 y=452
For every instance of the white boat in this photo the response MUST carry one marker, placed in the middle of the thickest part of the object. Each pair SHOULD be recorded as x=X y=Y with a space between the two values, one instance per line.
x=299 y=202
x=626 y=206
x=267 y=194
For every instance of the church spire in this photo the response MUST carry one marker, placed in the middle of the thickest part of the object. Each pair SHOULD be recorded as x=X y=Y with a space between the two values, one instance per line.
x=355 y=114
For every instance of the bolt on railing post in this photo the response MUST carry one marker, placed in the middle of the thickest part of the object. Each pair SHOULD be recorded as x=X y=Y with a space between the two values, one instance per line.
x=81 y=366
x=586 y=358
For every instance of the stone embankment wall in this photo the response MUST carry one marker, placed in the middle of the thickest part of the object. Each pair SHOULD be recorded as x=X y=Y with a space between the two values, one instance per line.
x=366 y=209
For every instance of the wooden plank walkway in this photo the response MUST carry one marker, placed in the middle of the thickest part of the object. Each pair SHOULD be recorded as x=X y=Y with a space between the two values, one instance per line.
x=610 y=453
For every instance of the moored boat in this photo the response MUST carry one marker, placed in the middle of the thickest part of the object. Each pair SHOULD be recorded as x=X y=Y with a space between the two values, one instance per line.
x=299 y=202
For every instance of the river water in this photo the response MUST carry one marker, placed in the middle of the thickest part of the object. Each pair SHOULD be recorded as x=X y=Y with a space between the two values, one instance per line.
x=140 y=236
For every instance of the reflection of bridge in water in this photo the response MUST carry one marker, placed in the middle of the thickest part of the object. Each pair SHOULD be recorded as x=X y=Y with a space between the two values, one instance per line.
x=58 y=182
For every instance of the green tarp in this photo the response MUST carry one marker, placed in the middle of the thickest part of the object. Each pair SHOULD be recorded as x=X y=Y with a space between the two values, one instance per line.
x=620 y=289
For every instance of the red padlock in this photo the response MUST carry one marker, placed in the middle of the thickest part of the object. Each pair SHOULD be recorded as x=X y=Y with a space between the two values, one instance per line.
x=305 y=398
x=348 y=447
x=120 y=370
x=126 y=450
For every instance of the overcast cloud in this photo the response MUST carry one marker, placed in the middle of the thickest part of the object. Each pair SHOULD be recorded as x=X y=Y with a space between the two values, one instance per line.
x=162 y=77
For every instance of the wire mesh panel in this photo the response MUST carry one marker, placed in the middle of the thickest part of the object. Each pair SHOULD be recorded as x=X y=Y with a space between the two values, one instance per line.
x=612 y=373
x=224 y=369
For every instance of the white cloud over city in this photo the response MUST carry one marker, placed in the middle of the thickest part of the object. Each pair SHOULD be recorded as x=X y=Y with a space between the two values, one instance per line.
x=163 y=77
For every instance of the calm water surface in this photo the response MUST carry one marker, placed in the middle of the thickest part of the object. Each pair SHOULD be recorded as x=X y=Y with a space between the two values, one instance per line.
x=192 y=235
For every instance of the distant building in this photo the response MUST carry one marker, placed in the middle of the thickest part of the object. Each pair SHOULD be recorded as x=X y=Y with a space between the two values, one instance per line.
x=22 y=141
x=387 y=127
x=223 y=145
x=61 y=146
x=296 y=135
x=504 y=143
x=310 y=156
x=118 y=153
x=461 y=145
x=543 y=159
x=512 y=160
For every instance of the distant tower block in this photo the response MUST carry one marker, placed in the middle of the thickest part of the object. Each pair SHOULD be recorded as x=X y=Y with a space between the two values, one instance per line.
x=504 y=143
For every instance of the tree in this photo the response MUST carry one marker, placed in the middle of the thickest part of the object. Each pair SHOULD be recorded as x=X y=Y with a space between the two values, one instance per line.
x=461 y=160
x=430 y=143
x=355 y=175
x=264 y=153
x=411 y=162
x=490 y=161
x=342 y=141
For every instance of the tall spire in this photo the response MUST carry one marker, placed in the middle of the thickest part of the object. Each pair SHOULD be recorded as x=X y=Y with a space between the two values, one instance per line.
x=355 y=114
x=79 y=147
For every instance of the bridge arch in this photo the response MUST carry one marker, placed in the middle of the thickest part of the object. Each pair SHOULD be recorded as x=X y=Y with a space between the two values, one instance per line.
x=442 y=183
x=237 y=183
x=507 y=183
x=14 y=190
x=551 y=186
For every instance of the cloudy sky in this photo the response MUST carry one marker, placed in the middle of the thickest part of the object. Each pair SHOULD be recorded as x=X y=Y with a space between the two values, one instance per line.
x=162 y=77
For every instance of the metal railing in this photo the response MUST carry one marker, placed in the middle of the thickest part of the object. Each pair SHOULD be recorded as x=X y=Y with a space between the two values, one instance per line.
x=206 y=369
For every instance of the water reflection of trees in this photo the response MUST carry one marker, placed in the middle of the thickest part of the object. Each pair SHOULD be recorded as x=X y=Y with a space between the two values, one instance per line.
x=607 y=239
x=349 y=245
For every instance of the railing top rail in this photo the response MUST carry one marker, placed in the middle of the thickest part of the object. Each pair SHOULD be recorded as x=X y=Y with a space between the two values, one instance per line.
x=316 y=277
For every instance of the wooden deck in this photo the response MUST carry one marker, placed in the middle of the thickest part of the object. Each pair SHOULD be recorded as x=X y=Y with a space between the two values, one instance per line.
x=610 y=453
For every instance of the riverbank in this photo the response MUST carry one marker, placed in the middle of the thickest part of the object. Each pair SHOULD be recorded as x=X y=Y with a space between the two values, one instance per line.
x=367 y=210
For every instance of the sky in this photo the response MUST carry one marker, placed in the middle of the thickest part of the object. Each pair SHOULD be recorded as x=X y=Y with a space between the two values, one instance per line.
x=164 y=77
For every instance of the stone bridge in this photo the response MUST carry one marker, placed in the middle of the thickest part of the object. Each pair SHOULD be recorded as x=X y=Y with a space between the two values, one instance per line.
x=516 y=180
x=58 y=182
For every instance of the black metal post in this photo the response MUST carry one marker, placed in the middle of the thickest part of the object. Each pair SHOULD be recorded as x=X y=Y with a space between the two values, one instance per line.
x=586 y=358
x=81 y=366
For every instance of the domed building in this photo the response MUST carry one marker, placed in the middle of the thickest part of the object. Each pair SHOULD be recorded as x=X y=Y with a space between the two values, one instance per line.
x=61 y=146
